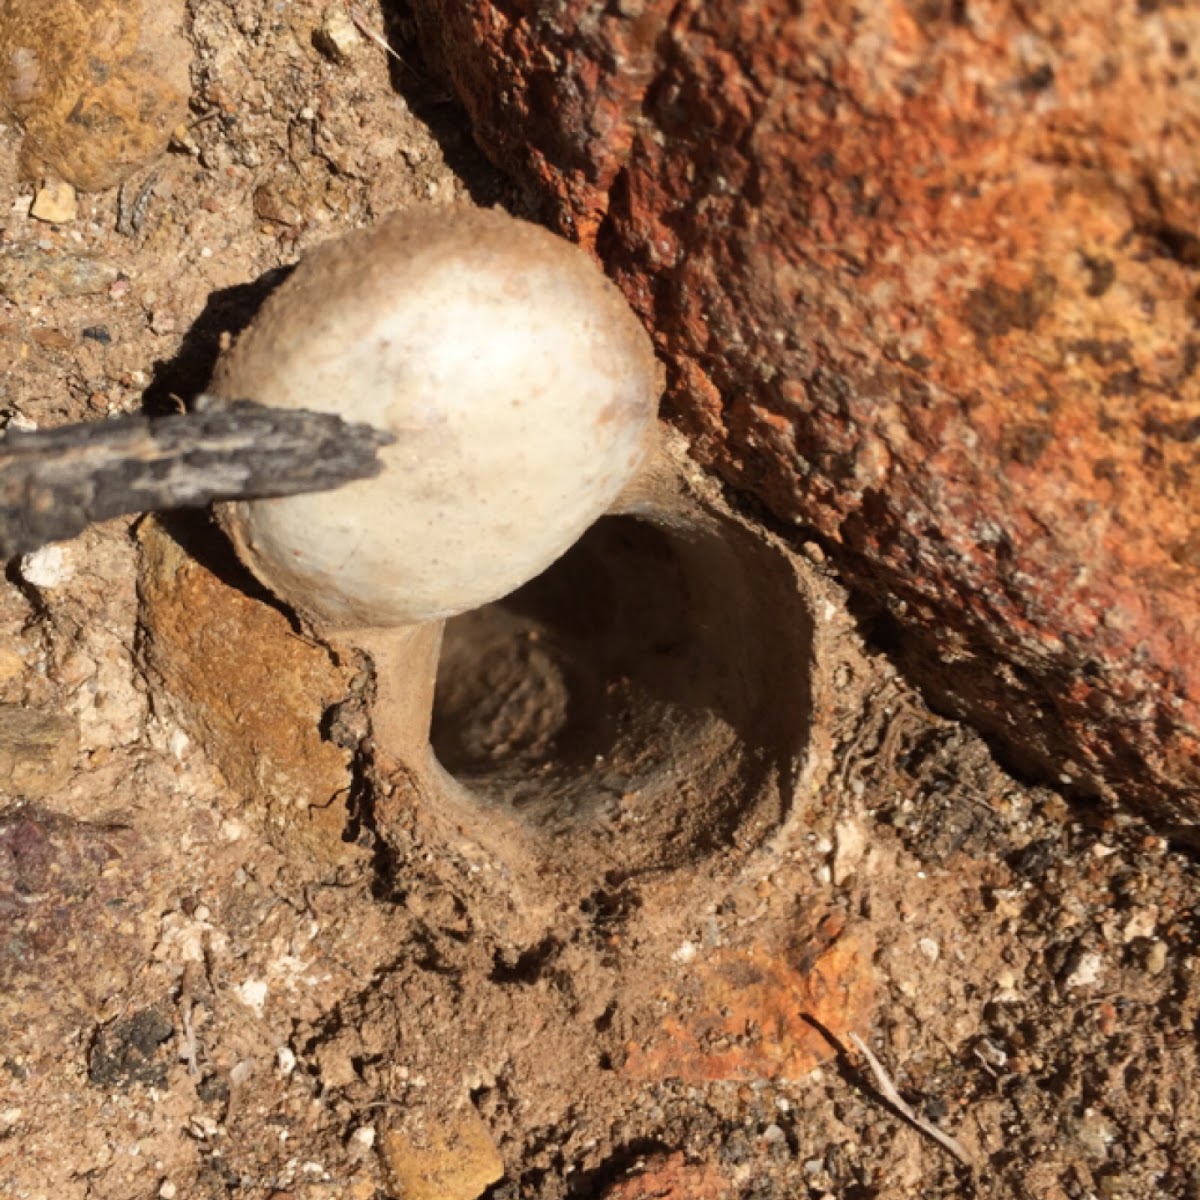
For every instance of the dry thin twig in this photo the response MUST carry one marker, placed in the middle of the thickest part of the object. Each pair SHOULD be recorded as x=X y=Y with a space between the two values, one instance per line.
x=365 y=29
x=189 y=1052
x=887 y=1089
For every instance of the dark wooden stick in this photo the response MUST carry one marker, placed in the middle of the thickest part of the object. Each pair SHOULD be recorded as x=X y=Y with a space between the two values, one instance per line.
x=56 y=482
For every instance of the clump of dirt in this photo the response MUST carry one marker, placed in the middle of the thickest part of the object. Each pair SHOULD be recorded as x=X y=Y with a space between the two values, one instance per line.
x=726 y=835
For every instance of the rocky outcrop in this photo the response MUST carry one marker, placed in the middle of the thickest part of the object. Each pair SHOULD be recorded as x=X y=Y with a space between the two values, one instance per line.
x=926 y=275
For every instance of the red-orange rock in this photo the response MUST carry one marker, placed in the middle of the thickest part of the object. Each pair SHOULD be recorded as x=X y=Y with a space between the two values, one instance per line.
x=762 y=1010
x=927 y=276
x=671 y=1177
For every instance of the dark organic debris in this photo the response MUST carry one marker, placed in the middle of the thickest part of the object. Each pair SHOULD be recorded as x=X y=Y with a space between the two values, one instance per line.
x=127 y=1051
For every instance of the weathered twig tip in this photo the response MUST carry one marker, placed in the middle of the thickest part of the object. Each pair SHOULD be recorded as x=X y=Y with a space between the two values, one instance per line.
x=56 y=482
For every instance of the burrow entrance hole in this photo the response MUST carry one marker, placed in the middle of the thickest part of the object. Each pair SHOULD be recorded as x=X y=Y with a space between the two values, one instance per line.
x=647 y=697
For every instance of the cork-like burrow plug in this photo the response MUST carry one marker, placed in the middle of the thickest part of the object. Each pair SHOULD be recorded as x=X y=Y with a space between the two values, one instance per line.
x=521 y=391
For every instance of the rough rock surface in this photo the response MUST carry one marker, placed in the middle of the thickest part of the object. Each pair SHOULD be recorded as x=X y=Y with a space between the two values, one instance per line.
x=36 y=750
x=926 y=274
x=259 y=704
x=98 y=85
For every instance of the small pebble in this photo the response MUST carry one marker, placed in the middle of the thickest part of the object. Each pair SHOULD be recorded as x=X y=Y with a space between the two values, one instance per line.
x=1141 y=924
x=686 y=953
x=336 y=36
x=850 y=842
x=1093 y=1133
x=55 y=203
x=253 y=994
x=1087 y=971
x=773 y=1135
x=1156 y=957
x=49 y=567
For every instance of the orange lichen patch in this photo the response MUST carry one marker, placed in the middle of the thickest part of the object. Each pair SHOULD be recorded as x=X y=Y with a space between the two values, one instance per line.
x=98 y=85
x=758 y=1011
x=669 y=1177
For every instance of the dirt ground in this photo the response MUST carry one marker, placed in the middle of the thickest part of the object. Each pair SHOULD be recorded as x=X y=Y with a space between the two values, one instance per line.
x=637 y=961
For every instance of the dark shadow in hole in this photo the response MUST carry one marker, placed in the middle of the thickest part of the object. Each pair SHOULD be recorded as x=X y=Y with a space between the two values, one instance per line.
x=527 y=966
x=611 y=904
x=619 y=608
x=670 y=665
